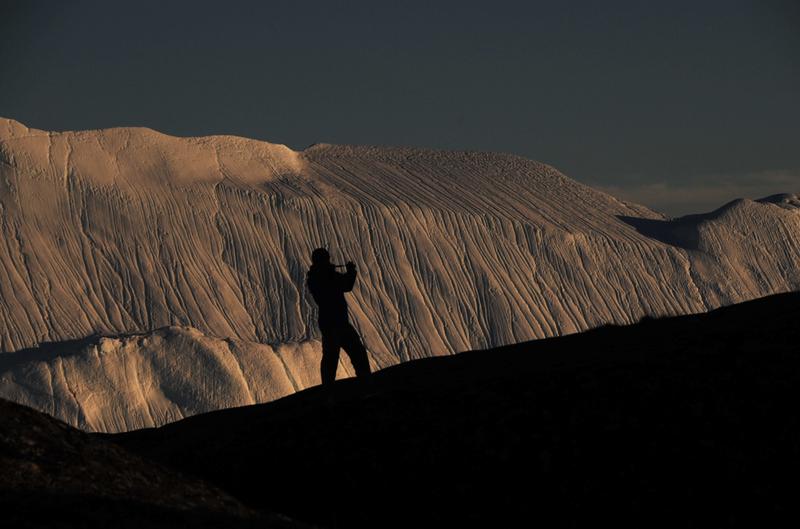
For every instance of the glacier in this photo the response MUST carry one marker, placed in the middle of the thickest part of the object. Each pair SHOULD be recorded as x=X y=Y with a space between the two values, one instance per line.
x=145 y=277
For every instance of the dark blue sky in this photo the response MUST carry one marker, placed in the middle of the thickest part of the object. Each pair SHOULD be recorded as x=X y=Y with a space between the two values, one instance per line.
x=680 y=105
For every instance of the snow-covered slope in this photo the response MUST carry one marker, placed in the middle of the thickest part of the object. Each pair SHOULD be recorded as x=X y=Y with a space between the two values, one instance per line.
x=129 y=230
x=113 y=384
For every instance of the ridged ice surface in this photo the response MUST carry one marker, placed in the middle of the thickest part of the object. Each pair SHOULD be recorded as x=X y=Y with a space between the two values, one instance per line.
x=114 y=384
x=125 y=231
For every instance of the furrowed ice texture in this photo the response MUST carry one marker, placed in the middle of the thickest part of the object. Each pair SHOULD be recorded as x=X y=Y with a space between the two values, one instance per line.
x=123 y=231
x=113 y=384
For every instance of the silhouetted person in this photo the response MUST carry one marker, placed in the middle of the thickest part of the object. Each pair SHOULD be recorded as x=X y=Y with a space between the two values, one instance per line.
x=328 y=286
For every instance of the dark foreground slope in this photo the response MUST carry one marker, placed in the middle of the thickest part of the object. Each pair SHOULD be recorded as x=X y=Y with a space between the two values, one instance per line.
x=690 y=420
x=52 y=475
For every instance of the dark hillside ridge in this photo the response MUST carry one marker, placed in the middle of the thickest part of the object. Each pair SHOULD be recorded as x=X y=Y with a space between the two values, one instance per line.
x=55 y=476
x=688 y=421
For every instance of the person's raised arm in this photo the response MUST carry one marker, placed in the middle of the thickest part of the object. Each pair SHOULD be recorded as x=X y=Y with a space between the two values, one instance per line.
x=348 y=279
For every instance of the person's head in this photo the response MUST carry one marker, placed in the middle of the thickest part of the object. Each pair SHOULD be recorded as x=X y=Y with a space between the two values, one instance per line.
x=320 y=257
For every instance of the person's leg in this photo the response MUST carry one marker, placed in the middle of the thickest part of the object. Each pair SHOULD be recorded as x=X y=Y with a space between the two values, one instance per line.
x=330 y=357
x=354 y=348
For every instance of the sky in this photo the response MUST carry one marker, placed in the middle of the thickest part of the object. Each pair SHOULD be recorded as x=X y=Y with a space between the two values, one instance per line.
x=681 y=106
